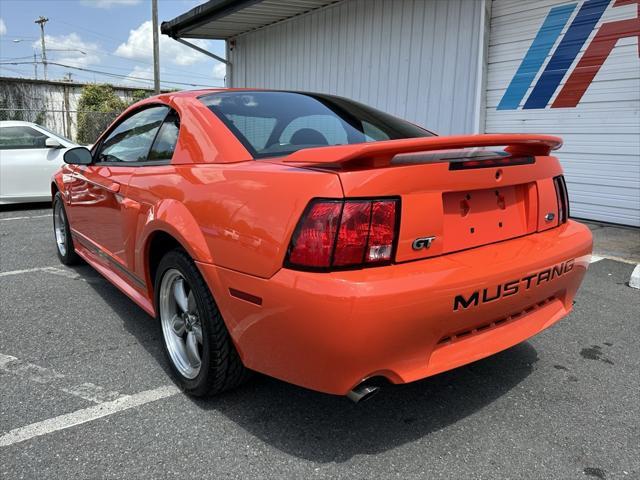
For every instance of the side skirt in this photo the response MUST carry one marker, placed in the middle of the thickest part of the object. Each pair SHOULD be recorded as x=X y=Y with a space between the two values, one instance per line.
x=99 y=261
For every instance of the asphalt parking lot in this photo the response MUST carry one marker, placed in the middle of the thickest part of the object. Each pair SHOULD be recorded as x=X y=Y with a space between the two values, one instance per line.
x=84 y=394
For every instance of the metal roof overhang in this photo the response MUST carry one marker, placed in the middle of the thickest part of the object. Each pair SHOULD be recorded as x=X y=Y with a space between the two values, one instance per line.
x=224 y=19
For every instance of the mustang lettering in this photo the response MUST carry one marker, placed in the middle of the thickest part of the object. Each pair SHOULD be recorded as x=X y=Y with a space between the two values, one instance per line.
x=511 y=288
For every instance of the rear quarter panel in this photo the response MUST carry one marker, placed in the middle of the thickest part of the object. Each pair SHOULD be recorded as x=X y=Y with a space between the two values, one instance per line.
x=238 y=216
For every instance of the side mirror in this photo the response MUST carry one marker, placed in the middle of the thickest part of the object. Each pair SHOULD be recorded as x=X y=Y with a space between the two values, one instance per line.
x=52 y=143
x=77 y=156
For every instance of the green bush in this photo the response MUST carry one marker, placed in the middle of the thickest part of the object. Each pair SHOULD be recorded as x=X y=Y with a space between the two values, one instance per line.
x=102 y=100
x=138 y=95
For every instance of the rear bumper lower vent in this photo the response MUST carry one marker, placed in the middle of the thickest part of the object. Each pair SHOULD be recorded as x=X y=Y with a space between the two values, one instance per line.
x=464 y=334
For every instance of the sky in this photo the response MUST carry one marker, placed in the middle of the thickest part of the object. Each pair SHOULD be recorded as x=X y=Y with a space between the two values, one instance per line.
x=109 y=36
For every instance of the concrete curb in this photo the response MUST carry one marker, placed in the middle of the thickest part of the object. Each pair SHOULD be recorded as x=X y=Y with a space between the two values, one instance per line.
x=634 y=281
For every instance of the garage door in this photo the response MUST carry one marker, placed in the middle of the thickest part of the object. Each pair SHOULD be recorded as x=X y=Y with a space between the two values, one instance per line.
x=573 y=69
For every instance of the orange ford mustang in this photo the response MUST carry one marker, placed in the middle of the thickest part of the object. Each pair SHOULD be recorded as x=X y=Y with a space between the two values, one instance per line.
x=320 y=241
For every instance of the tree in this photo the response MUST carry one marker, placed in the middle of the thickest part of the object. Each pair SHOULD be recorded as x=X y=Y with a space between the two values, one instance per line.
x=138 y=95
x=97 y=108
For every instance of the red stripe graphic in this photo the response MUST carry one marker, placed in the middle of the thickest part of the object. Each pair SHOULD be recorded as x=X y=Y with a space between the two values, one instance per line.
x=595 y=55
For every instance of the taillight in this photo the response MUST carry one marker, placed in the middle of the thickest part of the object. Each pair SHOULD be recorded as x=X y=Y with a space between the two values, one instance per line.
x=352 y=234
x=382 y=232
x=316 y=234
x=563 y=199
x=334 y=234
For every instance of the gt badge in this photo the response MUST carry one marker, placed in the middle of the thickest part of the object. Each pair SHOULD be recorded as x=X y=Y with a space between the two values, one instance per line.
x=422 y=242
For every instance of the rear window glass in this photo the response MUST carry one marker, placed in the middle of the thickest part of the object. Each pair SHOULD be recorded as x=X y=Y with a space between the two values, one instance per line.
x=256 y=130
x=278 y=123
x=330 y=127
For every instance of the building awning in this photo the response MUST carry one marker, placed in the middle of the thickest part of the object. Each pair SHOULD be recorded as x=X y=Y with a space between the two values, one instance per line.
x=223 y=19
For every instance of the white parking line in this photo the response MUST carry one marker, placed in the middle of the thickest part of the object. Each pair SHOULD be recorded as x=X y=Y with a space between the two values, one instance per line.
x=37 y=374
x=78 y=417
x=51 y=270
x=24 y=218
x=19 y=272
x=92 y=392
x=61 y=272
x=28 y=371
x=595 y=258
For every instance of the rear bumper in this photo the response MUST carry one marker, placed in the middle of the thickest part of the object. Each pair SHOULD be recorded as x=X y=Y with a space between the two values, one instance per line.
x=329 y=331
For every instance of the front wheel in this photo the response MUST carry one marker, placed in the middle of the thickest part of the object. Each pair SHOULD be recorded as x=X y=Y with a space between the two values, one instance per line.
x=202 y=356
x=62 y=233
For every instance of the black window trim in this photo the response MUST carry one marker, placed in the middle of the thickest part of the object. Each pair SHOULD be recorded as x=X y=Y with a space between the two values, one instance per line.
x=151 y=163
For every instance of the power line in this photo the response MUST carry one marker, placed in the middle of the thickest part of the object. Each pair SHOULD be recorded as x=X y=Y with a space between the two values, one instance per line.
x=169 y=70
x=96 y=34
x=9 y=61
x=116 y=41
x=165 y=69
x=15 y=58
x=114 y=67
x=110 y=74
x=12 y=40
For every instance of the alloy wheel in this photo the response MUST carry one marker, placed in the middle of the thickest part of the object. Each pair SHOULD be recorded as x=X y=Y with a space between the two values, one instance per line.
x=181 y=325
x=60 y=228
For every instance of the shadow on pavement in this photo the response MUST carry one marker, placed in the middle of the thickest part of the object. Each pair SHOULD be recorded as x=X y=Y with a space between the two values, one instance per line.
x=327 y=428
x=20 y=207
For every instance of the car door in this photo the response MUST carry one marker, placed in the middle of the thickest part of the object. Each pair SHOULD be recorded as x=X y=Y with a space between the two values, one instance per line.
x=26 y=165
x=98 y=192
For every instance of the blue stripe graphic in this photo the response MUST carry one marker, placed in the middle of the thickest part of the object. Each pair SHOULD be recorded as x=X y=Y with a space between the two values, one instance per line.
x=565 y=54
x=535 y=56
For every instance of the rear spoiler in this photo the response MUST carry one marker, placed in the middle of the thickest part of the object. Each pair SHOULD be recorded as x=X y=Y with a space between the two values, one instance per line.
x=384 y=151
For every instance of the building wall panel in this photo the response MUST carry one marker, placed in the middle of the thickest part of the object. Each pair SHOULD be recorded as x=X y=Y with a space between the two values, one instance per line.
x=416 y=59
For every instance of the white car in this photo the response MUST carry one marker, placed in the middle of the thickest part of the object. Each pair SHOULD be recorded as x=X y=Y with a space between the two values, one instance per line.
x=29 y=155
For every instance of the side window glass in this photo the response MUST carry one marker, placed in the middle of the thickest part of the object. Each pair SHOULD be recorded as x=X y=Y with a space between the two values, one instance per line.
x=131 y=140
x=21 y=137
x=166 y=140
x=314 y=130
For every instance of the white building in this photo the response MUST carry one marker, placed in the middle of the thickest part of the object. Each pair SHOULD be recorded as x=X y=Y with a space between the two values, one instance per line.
x=569 y=68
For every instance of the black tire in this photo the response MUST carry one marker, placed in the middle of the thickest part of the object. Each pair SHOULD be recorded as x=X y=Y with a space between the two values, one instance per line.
x=221 y=368
x=64 y=247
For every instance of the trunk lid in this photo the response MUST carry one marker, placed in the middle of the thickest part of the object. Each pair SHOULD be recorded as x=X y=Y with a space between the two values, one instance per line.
x=453 y=190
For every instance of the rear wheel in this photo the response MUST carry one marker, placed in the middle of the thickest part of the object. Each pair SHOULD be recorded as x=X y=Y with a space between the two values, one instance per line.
x=200 y=351
x=62 y=233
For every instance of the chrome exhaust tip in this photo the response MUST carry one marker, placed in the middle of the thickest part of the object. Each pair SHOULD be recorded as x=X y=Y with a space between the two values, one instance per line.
x=362 y=392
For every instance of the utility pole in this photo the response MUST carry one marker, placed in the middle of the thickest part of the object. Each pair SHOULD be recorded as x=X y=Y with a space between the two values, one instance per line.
x=156 y=48
x=35 y=65
x=42 y=20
